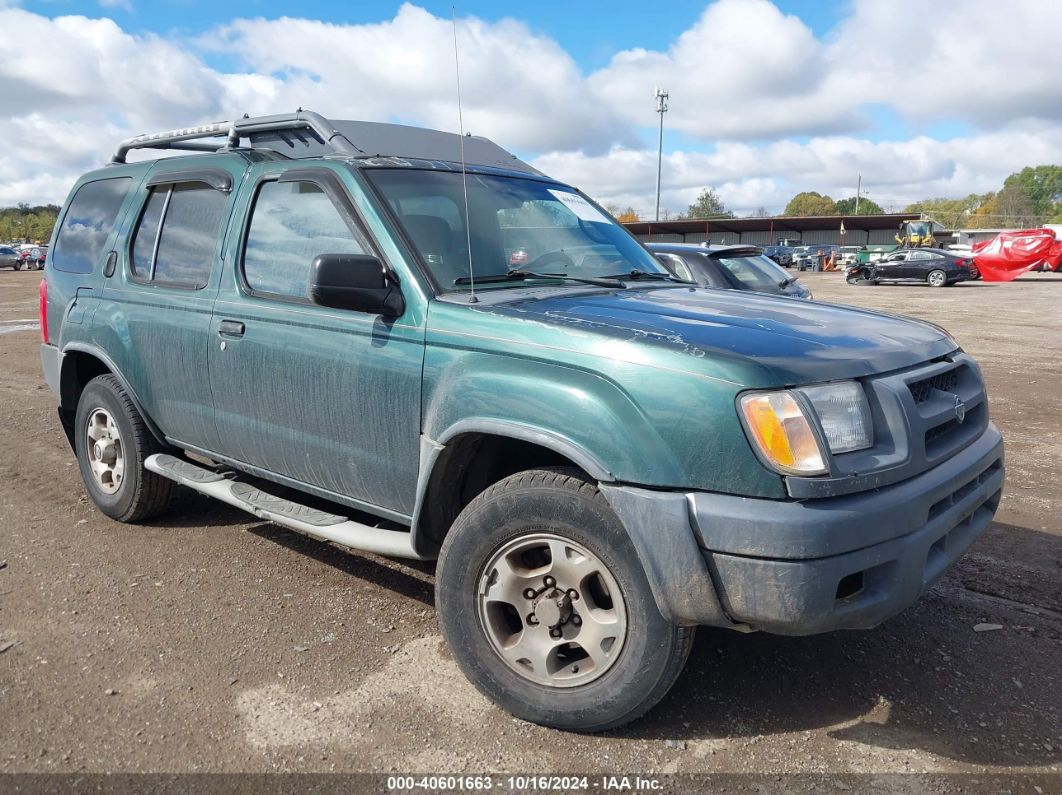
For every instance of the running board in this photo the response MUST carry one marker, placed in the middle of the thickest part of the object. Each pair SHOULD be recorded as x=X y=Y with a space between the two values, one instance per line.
x=292 y=515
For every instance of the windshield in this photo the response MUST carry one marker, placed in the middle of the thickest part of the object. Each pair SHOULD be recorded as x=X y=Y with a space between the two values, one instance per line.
x=756 y=272
x=517 y=224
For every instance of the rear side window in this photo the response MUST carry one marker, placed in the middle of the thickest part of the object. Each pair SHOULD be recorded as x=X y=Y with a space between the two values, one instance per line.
x=292 y=223
x=174 y=242
x=88 y=223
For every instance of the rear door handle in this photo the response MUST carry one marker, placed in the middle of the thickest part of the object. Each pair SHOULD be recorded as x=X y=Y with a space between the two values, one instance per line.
x=230 y=328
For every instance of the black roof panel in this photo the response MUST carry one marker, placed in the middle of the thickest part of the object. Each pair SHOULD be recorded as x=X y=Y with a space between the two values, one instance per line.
x=375 y=139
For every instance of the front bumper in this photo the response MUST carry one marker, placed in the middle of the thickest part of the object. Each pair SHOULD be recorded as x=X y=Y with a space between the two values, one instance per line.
x=804 y=567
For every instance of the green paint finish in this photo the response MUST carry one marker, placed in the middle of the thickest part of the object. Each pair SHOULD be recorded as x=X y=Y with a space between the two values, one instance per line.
x=638 y=385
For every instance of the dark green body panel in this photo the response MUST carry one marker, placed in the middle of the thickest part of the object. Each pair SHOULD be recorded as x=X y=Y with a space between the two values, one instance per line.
x=637 y=385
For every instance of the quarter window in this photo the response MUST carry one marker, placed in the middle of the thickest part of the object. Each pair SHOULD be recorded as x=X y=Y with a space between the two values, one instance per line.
x=88 y=223
x=292 y=223
x=177 y=236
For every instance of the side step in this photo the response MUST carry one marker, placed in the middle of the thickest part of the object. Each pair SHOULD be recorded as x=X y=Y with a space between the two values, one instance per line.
x=301 y=518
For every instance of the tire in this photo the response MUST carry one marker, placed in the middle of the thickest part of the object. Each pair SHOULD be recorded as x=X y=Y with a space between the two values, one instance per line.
x=561 y=507
x=17 y=266
x=137 y=493
x=937 y=278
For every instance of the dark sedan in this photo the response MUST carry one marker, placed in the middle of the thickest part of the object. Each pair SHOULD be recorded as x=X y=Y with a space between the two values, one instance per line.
x=780 y=254
x=930 y=266
x=728 y=268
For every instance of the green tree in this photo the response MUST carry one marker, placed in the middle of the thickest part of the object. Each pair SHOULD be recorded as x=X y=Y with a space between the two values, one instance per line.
x=27 y=223
x=811 y=203
x=1011 y=207
x=952 y=213
x=707 y=205
x=1040 y=185
x=866 y=206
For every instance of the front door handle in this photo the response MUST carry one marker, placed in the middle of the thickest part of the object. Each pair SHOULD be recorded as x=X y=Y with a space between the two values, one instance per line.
x=230 y=328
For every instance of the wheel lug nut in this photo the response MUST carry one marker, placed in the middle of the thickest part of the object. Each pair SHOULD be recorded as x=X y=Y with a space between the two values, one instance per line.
x=554 y=633
x=529 y=593
x=550 y=582
x=576 y=620
x=573 y=594
x=532 y=620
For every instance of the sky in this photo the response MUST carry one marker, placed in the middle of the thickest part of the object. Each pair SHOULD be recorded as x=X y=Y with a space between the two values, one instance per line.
x=767 y=98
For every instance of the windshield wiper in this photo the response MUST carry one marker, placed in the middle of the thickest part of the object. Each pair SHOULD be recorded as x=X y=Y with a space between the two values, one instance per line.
x=518 y=275
x=635 y=275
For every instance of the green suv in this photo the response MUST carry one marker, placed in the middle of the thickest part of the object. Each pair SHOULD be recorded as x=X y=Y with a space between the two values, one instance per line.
x=321 y=323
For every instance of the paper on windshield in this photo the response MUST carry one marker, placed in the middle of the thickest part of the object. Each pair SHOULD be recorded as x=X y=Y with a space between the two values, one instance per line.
x=583 y=209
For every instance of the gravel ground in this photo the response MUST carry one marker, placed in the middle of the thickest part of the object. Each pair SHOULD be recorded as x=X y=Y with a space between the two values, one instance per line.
x=208 y=641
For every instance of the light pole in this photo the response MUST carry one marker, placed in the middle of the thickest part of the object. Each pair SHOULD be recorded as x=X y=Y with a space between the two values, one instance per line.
x=661 y=108
x=859 y=188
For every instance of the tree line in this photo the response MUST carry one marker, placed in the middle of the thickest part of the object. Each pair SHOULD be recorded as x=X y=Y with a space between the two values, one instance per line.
x=1028 y=198
x=26 y=224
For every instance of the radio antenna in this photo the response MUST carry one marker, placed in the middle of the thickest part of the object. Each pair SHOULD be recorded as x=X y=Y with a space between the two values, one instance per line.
x=464 y=172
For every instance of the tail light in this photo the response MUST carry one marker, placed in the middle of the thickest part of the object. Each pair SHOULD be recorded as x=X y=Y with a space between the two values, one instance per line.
x=42 y=293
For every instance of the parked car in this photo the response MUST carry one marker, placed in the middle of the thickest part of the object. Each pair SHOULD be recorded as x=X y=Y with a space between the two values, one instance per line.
x=934 y=267
x=780 y=254
x=728 y=268
x=848 y=256
x=32 y=257
x=10 y=258
x=601 y=457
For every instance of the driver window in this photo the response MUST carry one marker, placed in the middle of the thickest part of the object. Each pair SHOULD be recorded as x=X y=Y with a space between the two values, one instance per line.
x=292 y=223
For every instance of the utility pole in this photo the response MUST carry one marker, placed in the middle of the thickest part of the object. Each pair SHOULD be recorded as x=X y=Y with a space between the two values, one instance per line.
x=661 y=108
x=859 y=187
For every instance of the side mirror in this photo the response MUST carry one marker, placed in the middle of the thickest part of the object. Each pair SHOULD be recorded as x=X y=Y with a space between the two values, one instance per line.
x=355 y=281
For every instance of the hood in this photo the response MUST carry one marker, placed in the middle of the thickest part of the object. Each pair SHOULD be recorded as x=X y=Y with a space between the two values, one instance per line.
x=799 y=341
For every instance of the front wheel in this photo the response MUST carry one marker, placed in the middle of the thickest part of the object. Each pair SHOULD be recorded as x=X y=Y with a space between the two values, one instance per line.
x=937 y=278
x=18 y=266
x=547 y=610
x=859 y=277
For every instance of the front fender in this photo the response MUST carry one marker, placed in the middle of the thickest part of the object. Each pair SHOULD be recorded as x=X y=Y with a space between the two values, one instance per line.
x=577 y=413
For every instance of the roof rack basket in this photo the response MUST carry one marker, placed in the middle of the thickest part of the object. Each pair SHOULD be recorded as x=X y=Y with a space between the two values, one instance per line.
x=195 y=139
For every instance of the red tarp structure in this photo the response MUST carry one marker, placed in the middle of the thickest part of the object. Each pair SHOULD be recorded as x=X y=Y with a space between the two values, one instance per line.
x=1010 y=254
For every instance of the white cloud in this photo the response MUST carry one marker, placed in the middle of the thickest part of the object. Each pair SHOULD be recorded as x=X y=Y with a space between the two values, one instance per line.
x=747 y=177
x=517 y=86
x=777 y=109
x=744 y=69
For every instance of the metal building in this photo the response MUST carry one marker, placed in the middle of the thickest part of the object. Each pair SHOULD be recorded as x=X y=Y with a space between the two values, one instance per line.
x=798 y=230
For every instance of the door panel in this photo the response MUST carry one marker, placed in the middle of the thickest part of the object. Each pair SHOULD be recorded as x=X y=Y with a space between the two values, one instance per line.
x=327 y=397
x=159 y=327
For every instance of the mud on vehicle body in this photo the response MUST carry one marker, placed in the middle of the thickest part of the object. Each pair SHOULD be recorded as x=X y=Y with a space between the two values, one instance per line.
x=310 y=321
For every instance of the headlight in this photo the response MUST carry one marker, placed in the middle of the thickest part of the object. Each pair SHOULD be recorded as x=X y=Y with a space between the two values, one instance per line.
x=844 y=414
x=783 y=432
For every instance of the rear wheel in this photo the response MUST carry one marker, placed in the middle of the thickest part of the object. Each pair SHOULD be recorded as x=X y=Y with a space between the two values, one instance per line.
x=547 y=610
x=937 y=278
x=112 y=441
x=18 y=265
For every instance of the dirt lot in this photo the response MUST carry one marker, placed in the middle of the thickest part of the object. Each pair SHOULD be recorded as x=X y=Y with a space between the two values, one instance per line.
x=210 y=642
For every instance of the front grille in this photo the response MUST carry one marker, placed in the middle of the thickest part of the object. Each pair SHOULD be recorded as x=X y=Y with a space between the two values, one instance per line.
x=922 y=390
x=940 y=431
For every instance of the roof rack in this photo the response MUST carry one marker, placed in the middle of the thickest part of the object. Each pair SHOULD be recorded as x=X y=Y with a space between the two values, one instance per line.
x=195 y=139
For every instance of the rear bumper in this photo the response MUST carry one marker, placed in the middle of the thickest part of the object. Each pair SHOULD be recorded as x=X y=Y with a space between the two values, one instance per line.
x=811 y=566
x=50 y=366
